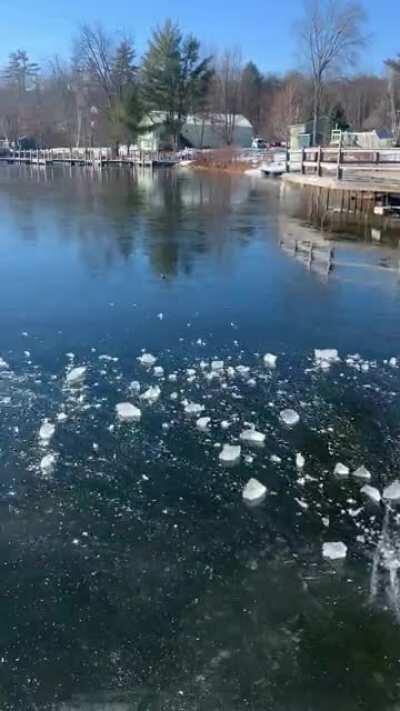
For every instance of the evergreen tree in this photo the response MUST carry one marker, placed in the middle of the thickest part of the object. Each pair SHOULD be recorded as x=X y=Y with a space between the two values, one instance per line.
x=20 y=72
x=123 y=70
x=173 y=79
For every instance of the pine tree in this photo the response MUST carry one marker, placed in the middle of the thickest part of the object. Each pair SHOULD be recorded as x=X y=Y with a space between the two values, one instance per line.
x=20 y=72
x=173 y=79
x=123 y=71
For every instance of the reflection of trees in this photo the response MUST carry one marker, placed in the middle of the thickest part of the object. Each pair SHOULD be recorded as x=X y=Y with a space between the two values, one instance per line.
x=175 y=217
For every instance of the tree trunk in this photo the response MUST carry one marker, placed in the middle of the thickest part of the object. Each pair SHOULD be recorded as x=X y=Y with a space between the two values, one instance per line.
x=316 y=110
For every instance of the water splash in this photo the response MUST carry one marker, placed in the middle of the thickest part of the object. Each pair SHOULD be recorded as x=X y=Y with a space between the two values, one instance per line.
x=385 y=580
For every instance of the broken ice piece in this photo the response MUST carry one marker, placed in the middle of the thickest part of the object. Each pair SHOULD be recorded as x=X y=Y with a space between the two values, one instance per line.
x=254 y=492
x=372 y=493
x=334 y=551
x=76 y=375
x=225 y=425
x=325 y=357
x=3 y=364
x=230 y=453
x=270 y=360
x=47 y=464
x=275 y=459
x=203 y=423
x=46 y=432
x=217 y=365
x=135 y=386
x=289 y=417
x=393 y=362
x=194 y=408
x=300 y=461
x=392 y=492
x=341 y=470
x=151 y=395
x=362 y=473
x=252 y=437
x=158 y=371
x=126 y=412
x=147 y=359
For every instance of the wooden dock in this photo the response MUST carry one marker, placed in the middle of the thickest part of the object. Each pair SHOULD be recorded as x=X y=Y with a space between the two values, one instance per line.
x=95 y=157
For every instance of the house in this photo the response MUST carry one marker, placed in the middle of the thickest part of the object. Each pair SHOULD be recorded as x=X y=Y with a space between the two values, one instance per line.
x=301 y=133
x=213 y=131
x=370 y=140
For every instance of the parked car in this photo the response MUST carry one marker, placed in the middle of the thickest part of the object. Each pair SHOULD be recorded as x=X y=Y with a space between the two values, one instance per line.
x=259 y=143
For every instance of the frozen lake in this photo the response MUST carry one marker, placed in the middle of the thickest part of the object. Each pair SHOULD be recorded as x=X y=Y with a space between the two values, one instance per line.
x=133 y=573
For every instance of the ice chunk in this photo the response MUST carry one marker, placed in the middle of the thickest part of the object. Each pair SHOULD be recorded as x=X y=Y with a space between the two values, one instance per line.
x=372 y=493
x=300 y=461
x=275 y=459
x=230 y=453
x=325 y=357
x=393 y=362
x=203 y=423
x=160 y=316
x=334 y=551
x=48 y=464
x=225 y=425
x=362 y=473
x=230 y=372
x=254 y=492
x=151 y=395
x=46 y=431
x=341 y=470
x=76 y=375
x=243 y=370
x=270 y=360
x=159 y=371
x=3 y=364
x=217 y=365
x=392 y=492
x=147 y=359
x=194 y=408
x=252 y=437
x=126 y=412
x=62 y=417
x=135 y=386
x=289 y=417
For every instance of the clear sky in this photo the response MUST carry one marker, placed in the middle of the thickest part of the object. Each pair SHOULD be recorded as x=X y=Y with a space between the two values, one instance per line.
x=263 y=28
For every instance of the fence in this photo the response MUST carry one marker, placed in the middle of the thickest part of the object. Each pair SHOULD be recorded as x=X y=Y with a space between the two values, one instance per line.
x=342 y=163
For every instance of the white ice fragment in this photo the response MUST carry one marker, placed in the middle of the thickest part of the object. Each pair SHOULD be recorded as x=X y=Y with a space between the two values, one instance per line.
x=3 y=364
x=289 y=417
x=325 y=357
x=194 y=408
x=362 y=473
x=172 y=377
x=47 y=464
x=160 y=316
x=203 y=364
x=217 y=365
x=230 y=453
x=341 y=470
x=300 y=461
x=252 y=437
x=203 y=423
x=243 y=370
x=230 y=372
x=76 y=375
x=225 y=425
x=190 y=372
x=135 y=386
x=158 y=371
x=62 y=417
x=147 y=359
x=334 y=551
x=151 y=395
x=174 y=396
x=126 y=412
x=393 y=362
x=254 y=492
x=275 y=459
x=46 y=431
x=372 y=493
x=270 y=360
x=325 y=520
x=392 y=492
x=249 y=459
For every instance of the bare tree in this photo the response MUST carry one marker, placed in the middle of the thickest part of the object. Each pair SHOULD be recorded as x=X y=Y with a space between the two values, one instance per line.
x=226 y=93
x=393 y=66
x=330 y=36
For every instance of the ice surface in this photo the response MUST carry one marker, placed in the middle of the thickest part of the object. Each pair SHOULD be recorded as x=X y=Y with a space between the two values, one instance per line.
x=300 y=461
x=289 y=417
x=252 y=436
x=362 y=473
x=203 y=423
x=46 y=431
x=270 y=360
x=325 y=357
x=126 y=412
x=230 y=453
x=392 y=492
x=372 y=493
x=194 y=408
x=76 y=375
x=151 y=394
x=334 y=551
x=341 y=470
x=147 y=359
x=254 y=492
x=48 y=464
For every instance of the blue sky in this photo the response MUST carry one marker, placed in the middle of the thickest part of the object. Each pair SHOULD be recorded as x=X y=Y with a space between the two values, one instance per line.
x=263 y=28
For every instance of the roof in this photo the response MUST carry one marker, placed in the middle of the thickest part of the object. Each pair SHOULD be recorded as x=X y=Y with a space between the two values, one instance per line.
x=159 y=117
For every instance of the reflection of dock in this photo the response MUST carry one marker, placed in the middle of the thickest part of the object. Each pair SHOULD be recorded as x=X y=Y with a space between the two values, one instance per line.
x=314 y=256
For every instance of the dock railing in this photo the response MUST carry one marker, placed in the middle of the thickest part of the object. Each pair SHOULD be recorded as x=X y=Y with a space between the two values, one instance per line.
x=341 y=163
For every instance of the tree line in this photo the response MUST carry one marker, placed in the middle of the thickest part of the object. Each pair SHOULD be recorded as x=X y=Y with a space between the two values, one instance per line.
x=102 y=92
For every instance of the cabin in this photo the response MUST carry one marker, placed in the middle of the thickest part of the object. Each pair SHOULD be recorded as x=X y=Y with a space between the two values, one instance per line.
x=301 y=133
x=374 y=139
x=197 y=132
